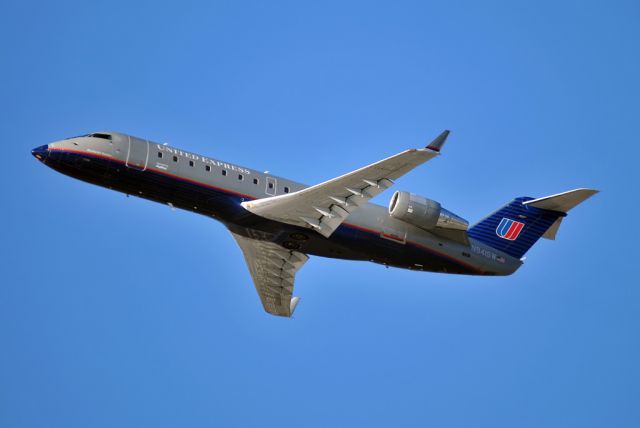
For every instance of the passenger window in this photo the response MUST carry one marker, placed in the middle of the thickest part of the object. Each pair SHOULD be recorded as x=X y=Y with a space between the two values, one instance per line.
x=160 y=154
x=103 y=136
x=286 y=189
x=190 y=163
x=207 y=168
x=255 y=181
x=240 y=177
x=224 y=172
x=175 y=158
x=270 y=185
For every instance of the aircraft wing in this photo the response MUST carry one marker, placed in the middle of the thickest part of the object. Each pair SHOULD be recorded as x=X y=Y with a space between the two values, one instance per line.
x=325 y=206
x=273 y=269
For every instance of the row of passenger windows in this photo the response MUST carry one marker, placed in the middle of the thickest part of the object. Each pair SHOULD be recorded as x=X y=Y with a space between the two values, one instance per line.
x=224 y=172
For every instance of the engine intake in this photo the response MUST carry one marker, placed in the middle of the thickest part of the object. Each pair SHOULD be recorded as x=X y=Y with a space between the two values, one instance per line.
x=424 y=213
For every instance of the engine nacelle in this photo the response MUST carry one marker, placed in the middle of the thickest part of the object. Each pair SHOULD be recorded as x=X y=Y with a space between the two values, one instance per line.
x=423 y=213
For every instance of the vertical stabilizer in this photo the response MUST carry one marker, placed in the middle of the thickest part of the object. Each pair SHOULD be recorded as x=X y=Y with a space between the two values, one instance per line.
x=518 y=225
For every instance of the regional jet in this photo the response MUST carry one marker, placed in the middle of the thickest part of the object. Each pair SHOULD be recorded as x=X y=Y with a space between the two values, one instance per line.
x=278 y=222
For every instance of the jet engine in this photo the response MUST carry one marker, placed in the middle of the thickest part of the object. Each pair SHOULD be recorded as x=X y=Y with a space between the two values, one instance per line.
x=424 y=213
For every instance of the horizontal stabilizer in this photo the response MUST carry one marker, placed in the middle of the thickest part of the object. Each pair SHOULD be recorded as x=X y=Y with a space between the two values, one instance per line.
x=562 y=202
x=553 y=229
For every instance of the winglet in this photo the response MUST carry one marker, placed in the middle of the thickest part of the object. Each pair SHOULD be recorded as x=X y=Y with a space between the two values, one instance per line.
x=293 y=304
x=437 y=144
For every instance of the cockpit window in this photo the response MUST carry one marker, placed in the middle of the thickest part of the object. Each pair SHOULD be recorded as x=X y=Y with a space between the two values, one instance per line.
x=99 y=135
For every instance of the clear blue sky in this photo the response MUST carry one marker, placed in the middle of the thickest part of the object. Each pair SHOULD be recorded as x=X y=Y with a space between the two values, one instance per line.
x=117 y=312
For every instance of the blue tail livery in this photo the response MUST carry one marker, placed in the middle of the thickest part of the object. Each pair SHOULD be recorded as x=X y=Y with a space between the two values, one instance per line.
x=518 y=225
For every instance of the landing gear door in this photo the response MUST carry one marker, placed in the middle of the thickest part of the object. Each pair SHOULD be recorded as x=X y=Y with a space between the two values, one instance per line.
x=138 y=154
x=271 y=186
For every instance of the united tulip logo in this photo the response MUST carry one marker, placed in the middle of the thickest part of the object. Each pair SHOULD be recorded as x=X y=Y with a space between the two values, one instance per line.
x=509 y=229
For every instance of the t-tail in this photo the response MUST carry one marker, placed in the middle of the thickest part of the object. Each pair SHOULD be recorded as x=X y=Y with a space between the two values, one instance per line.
x=514 y=228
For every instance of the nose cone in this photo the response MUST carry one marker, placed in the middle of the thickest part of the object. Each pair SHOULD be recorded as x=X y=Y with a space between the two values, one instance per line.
x=41 y=152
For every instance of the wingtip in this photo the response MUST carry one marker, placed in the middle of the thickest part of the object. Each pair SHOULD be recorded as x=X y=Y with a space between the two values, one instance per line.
x=437 y=144
x=293 y=304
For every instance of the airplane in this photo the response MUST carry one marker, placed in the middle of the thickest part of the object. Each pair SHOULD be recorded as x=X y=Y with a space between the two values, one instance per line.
x=278 y=223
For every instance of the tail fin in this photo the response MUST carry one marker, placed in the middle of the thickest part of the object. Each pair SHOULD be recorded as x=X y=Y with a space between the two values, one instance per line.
x=518 y=225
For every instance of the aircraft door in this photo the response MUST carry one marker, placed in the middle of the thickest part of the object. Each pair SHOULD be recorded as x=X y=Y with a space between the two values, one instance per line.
x=138 y=153
x=271 y=186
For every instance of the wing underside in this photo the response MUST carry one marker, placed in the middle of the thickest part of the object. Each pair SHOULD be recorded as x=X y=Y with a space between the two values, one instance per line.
x=273 y=269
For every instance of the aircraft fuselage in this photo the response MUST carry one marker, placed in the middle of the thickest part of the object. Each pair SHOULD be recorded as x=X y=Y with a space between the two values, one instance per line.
x=216 y=189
